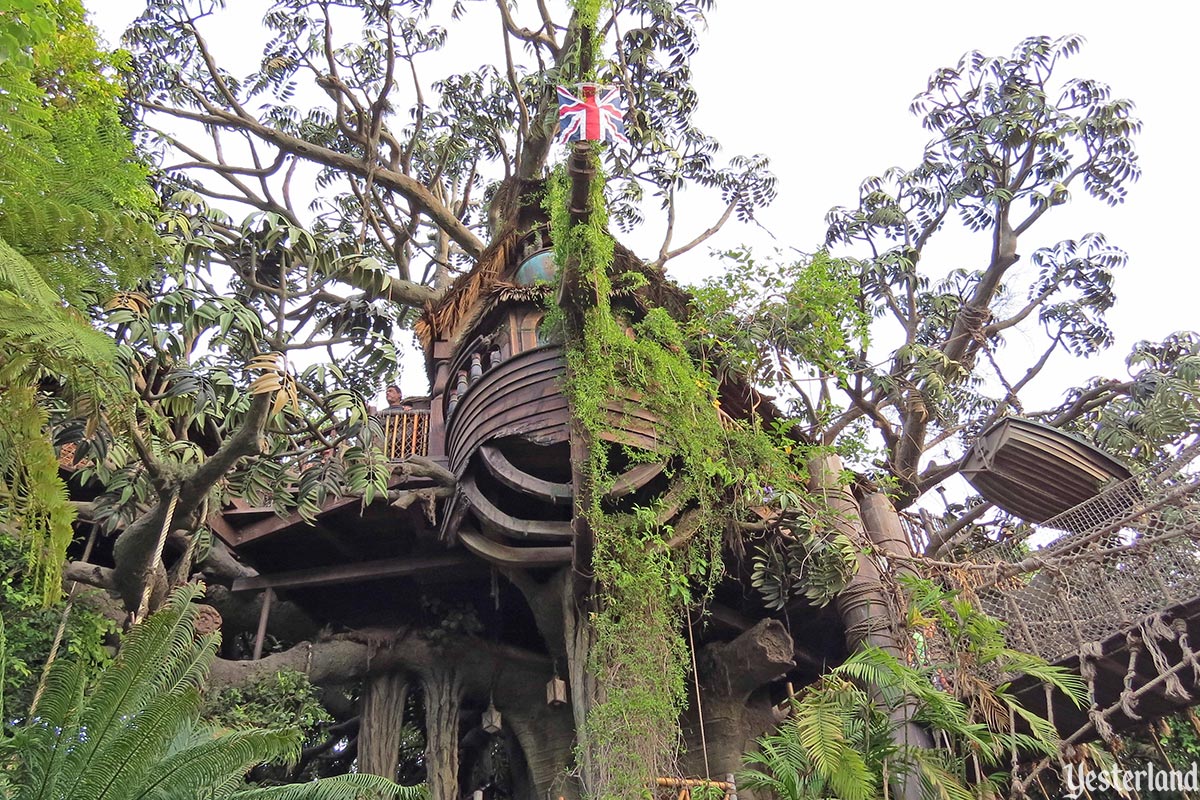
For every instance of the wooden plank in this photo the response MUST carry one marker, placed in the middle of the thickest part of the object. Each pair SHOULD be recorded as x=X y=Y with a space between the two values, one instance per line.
x=224 y=531
x=520 y=391
x=534 y=366
x=548 y=414
x=634 y=479
x=520 y=528
x=267 y=527
x=507 y=473
x=243 y=509
x=352 y=573
x=540 y=367
x=502 y=555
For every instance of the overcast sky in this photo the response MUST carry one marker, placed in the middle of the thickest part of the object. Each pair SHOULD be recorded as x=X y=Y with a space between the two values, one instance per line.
x=823 y=89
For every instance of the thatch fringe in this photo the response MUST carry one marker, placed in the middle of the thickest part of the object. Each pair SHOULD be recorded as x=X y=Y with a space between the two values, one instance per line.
x=444 y=320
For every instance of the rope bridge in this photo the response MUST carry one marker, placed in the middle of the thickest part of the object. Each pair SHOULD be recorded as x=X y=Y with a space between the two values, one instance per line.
x=1110 y=589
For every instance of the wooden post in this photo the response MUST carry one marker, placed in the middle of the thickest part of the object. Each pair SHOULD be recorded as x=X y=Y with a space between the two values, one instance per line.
x=262 y=624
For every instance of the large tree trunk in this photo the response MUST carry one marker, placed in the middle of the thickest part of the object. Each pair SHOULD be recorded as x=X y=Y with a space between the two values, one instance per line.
x=733 y=708
x=443 y=701
x=547 y=737
x=863 y=604
x=580 y=638
x=383 y=702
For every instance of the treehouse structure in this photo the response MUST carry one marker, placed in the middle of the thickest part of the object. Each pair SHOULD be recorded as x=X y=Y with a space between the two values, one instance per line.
x=484 y=538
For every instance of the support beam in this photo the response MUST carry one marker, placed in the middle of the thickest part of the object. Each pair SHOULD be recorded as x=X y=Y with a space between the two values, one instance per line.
x=272 y=525
x=264 y=615
x=354 y=573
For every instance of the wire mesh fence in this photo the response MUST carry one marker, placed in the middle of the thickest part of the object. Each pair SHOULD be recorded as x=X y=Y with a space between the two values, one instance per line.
x=1099 y=568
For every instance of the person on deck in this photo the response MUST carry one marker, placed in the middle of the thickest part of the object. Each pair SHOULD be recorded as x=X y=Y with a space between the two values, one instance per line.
x=395 y=398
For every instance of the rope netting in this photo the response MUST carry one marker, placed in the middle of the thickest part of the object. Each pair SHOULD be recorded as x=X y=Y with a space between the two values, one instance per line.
x=1100 y=568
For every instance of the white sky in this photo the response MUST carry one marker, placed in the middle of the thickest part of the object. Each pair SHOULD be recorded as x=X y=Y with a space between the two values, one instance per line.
x=823 y=89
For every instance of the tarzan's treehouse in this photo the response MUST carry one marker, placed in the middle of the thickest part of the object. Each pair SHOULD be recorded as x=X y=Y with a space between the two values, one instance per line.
x=477 y=580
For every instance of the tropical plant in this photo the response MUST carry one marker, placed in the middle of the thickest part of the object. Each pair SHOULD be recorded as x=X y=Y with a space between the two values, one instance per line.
x=133 y=732
x=841 y=738
x=72 y=227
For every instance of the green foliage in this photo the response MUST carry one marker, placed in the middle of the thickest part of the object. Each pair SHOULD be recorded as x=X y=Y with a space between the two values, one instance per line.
x=648 y=572
x=71 y=227
x=23 y=23
x=839 y=738
x=283 y=700
x=72 y=196
x=808 y=563
x=134 y=733
x=1161 y=405
x=768 y=321
x=31 y=626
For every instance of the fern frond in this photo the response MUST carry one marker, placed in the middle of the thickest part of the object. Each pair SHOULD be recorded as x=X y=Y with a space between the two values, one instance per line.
x=185 y=773
x=937 y=781
x=130 y=755
x=341 y=787
x=139 y=673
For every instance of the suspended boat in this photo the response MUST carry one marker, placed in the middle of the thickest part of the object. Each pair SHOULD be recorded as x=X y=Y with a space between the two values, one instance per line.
x=1037 y=472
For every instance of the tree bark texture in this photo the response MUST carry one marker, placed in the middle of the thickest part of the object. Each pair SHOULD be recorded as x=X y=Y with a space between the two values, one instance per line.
x=383 y=699
x=443 y=702
x=863 y=605
x=732 y=704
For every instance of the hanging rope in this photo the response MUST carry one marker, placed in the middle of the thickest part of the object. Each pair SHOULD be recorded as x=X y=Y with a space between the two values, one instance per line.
x=699 y=706
x=184 y=568
x=62 y=623
x=148 y=583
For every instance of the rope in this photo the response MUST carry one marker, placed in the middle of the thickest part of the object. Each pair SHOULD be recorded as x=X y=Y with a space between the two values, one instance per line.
x=148 y=583
x=699 y=706
x=62 y=624
x=1181 y=634
x=1128 y=694
x=1173 y=686
x=1089 y=653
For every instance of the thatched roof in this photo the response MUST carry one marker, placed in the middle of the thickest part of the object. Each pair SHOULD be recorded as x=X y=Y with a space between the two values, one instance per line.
x=478 y=292
x=443 y=319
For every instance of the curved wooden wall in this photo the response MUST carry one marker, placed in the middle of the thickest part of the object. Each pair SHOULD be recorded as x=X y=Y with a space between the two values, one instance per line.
x=522 y=396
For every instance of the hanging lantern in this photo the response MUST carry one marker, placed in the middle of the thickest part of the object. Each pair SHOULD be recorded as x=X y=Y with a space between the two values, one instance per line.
x=491 y=718
x=556 y=692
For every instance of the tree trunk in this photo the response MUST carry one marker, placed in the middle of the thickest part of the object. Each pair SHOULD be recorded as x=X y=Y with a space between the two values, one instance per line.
x=580 y=639
x=863 y=604
x=733 y=709
x=443 y=700
x=547 y=737
x=383 y=700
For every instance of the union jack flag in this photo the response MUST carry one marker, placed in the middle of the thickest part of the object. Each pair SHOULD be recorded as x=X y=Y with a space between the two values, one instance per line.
x=599 y=116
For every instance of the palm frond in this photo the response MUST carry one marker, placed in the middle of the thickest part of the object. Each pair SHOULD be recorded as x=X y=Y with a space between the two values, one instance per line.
x=135 y=736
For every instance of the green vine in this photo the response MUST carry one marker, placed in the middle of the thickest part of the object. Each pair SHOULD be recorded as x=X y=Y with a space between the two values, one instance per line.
x=648 y=573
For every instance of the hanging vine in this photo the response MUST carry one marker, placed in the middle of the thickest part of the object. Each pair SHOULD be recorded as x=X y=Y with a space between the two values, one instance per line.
x=647 y=573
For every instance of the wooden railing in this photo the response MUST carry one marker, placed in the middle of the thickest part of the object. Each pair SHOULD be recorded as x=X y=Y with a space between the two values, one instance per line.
x=405 y=432
x=688 y=788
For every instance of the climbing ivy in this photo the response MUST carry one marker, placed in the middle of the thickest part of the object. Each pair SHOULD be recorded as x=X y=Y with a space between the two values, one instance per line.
x=648 y=573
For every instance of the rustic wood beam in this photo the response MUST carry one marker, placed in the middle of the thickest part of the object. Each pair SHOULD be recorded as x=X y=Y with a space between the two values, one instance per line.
x=514 y=478
x=354 y=573
x=503 y=555
x=260 y=635
x=635 y=479
x=523 y=528
x=273 y=525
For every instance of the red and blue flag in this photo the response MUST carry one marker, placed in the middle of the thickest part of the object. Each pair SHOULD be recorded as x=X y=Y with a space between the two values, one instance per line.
x=597 y=115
